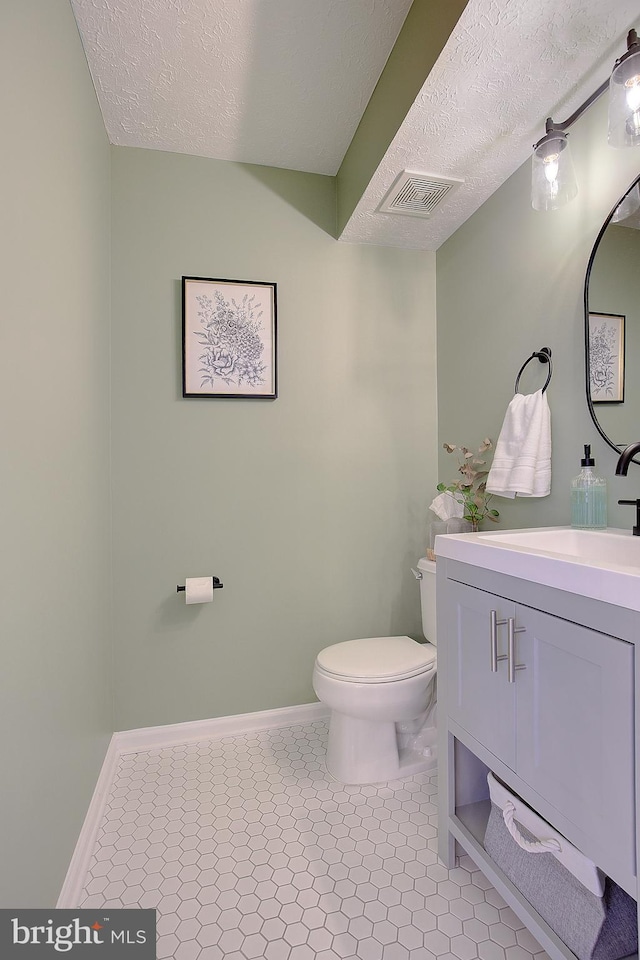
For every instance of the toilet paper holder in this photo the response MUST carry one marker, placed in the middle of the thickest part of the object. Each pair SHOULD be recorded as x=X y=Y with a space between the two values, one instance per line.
x=216 y=585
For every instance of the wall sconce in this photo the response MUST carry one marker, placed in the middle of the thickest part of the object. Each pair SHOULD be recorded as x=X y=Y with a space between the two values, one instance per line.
x=553 y=180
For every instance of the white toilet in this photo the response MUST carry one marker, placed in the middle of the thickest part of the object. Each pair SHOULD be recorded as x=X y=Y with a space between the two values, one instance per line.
x=371 y=687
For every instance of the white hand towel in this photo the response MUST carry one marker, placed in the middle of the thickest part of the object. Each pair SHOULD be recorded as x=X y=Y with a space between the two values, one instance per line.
x=522 y=461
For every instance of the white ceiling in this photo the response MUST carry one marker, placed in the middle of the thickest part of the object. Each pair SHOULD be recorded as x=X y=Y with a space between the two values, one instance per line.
x=285 y=82
x=276 y=82
x=507 y=66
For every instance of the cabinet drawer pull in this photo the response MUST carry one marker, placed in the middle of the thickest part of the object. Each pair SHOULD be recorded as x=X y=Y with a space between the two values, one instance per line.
x=512 y=666
x=495 y=623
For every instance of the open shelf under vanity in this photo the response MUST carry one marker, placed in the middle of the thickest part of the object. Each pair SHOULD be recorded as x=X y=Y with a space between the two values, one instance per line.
x=468 y=825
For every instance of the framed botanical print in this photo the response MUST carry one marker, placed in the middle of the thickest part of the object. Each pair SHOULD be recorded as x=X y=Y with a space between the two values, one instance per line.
x=229 y=339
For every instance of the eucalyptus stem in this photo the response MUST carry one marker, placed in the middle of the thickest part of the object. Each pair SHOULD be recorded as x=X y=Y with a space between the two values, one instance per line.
x=471 y=490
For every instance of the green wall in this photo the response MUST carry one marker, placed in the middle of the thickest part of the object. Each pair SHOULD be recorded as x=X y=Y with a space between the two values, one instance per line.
x=310 y=508
x=510 y=281
x=613 y=289
x=55 y=703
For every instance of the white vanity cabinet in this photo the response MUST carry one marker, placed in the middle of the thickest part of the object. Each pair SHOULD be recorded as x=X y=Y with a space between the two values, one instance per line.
x=537 y=685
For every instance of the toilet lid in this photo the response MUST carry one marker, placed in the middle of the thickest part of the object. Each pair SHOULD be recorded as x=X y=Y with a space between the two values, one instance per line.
x=377 y=659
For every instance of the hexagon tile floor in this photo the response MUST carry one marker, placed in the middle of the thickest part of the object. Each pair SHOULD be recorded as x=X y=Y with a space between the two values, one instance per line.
x=247 y=850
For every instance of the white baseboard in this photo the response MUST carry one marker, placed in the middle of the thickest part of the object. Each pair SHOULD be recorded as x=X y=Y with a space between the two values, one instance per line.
x=154 y=738
x=77 y=872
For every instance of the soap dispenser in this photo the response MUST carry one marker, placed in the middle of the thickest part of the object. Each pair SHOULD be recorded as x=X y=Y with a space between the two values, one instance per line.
x=588 y=496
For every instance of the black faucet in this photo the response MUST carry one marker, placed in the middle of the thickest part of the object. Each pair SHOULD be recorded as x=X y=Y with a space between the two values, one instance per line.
x=625 y=458
x=636 y=504
x=621 y=471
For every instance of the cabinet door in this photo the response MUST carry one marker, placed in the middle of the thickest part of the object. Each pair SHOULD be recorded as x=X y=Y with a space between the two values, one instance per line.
x=575 y=727
x=480 y=700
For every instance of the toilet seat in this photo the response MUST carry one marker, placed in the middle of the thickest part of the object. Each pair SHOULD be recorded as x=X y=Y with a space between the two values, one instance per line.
x=377 y=659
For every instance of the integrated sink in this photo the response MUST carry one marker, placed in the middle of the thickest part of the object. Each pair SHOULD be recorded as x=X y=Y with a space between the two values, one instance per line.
x=616 y=547
x=602 y=564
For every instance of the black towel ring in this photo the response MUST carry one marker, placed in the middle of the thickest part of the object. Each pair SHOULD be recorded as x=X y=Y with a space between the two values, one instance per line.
x=544 y=356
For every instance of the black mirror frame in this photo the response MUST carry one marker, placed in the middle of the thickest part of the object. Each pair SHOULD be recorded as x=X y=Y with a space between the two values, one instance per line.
x=592 y=411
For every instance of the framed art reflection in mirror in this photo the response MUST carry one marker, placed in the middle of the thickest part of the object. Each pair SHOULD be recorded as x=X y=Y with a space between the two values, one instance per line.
x=606 y=357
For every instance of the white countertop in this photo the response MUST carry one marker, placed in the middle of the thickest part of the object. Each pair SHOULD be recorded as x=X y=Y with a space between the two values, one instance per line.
x=602 y=564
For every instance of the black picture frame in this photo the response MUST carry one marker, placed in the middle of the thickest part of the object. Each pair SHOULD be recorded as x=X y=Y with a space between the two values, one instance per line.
x=229 y=339
x=606 y=357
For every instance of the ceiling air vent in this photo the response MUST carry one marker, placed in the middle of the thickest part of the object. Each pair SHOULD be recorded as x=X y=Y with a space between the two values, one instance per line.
x=417 y=194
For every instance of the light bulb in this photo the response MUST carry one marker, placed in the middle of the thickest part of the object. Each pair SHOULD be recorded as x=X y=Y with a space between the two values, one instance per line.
x=632 y=86
x=551 y=168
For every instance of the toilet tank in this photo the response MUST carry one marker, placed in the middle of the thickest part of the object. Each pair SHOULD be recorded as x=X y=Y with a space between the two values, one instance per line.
x=428 y=598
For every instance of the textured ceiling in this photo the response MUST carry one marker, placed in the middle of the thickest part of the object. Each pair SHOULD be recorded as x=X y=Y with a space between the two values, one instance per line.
x=285 y=82
x=276 y=82
x=506 y=67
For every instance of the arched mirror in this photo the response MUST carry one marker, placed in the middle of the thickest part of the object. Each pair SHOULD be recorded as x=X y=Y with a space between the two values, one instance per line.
x=612 y=324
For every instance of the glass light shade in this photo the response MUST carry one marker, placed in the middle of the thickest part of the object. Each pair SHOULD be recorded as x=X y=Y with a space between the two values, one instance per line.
x=624 y=101
x=629 y=205
x=553 y=179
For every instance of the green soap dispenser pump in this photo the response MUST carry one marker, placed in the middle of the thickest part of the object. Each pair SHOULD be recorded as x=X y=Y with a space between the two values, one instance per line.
x=588 y=496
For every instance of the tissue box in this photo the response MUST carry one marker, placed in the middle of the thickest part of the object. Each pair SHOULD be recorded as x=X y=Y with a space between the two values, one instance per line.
x=594 y=917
